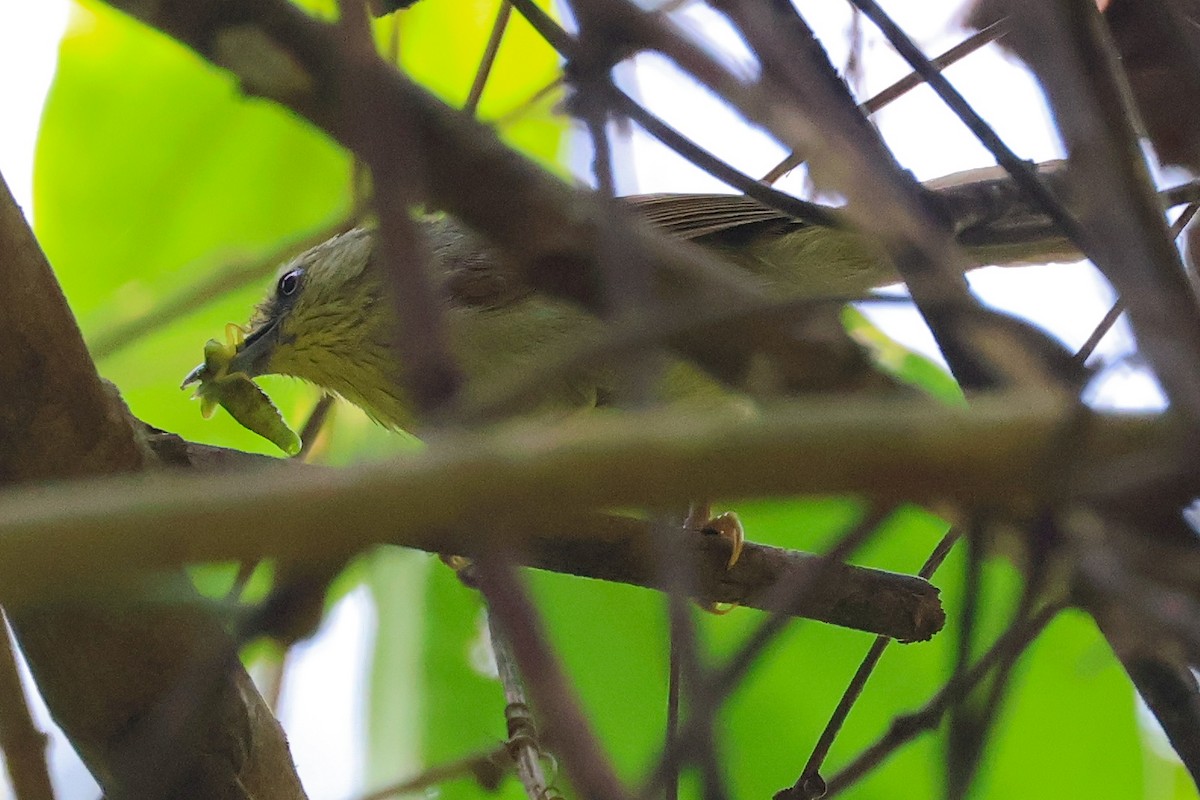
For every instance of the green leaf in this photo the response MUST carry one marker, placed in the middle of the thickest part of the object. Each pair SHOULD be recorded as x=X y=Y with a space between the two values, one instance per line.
x=899 y=361
x=397 y=579
x=152 y=170
x=464 y=698
x=1069 y=728
x=441 y=44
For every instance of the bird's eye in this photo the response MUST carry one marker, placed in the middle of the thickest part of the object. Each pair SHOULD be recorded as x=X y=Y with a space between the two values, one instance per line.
x=289 y=283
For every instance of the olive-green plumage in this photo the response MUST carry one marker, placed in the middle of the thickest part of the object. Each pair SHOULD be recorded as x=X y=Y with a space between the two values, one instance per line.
x=328 y=322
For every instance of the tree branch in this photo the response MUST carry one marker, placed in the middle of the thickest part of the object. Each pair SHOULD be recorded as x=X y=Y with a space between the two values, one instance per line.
x=24 y=745
x=1110 y=187
x=528 y=481
x=622 y=549
x=109 y=671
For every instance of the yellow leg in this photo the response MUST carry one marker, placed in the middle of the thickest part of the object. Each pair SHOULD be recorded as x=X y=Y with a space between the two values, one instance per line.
x=726 y=525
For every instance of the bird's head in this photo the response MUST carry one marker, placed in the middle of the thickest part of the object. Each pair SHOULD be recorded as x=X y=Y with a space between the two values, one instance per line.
x=326 y=320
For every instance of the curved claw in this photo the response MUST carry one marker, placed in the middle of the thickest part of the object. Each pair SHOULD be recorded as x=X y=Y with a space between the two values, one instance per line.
x=729 y=528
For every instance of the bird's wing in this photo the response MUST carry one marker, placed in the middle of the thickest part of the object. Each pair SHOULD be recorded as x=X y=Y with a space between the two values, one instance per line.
x=695 y=216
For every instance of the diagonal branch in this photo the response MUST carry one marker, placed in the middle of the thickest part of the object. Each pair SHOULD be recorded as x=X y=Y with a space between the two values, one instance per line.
x=107 y=671
x=1110 y=187
x=23 y=744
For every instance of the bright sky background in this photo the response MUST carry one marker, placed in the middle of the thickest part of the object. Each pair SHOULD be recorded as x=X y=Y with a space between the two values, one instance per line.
x=1066 y=299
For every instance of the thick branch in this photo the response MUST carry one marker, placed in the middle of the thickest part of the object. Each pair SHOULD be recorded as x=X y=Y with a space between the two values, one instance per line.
x=622 y=549
x=57 y=420
x=109 y=672
x=1066 y=45
x=526 y=482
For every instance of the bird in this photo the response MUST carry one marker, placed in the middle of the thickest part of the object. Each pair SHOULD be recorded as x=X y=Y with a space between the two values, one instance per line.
x=327 y=319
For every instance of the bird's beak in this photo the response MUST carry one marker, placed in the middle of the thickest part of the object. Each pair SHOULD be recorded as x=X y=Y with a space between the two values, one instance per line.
x=195 y=376
x=253 y=355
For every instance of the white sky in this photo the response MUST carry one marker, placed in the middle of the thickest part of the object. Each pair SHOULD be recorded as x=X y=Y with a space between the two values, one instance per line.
x=1065 y=299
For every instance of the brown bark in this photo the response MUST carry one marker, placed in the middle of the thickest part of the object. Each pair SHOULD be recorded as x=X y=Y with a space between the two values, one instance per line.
x=152 y=696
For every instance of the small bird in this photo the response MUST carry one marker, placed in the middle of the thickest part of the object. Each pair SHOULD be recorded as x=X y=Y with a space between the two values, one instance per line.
x=328 y=321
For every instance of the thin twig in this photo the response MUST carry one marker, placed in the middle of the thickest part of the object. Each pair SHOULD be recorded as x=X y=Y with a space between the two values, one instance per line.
x=596 y=120
x=23 y=744
x=1021 y=171
x=914 y=79
x=674 y=690
x=486 y=767
x=524 y=106
x=622 y=103
x=901 y=87
x=961 y=753
x=589 y=769
x=1101 y=330
x=428 y=369
x=488 y=59
x=1008 y=647
x=709 y=696
x=241 y=579
x=1093 y=341
x=719 y=168
x=684 y=665
x=212 y=285
x=524 y=747
x=314 y=425
x=810 y=785
x=1183 y=193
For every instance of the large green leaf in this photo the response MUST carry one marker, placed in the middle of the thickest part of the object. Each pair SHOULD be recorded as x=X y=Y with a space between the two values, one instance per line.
x=151 y=171
x=1070 y=726
x=441 y=43
x=399 y=704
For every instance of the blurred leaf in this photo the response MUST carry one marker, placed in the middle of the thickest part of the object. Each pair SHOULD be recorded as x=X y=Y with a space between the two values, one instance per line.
x=1069 y=728
x=441 y=43
x=152 y=169
x=897 y=360
x=150 y=161
x=398 y=706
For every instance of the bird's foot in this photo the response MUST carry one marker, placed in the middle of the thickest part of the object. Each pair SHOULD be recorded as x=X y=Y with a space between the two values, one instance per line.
x=700 y=518
x=464 y=569
x=727 y=525
x=729 y=528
